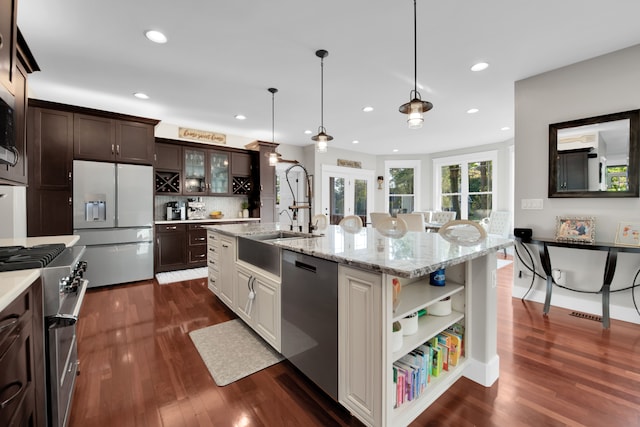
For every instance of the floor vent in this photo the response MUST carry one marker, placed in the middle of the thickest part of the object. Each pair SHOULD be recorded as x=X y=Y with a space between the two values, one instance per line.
x=586 y=316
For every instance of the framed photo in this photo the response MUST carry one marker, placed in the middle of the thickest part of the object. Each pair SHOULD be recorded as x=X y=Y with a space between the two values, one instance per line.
x=628 y=234
x=575 y=229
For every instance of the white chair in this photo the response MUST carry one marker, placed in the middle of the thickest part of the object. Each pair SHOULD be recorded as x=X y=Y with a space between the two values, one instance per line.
x=351 y=223
x=415 y=221
x=425 y=214
x=442 y=217
x=498 y=224
x=392 y=227
x=376 y=217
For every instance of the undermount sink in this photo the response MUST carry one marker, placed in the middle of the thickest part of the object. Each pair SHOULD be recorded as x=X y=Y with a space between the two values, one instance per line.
x=281 y=235
x=257 y=250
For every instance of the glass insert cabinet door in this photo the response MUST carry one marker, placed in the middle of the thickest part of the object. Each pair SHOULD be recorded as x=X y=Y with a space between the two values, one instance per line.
x=219 y=172
x=194 y=171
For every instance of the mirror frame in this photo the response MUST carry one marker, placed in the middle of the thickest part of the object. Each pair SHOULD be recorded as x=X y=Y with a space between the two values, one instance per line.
x=633 y=172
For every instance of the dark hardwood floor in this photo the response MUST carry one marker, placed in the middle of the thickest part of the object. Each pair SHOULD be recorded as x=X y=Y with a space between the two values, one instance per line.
x=140 y=368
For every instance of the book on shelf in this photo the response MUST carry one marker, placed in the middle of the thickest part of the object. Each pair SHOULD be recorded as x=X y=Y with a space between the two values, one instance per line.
x=436 y=361
x=455 y=347
x=458 y=329
x=445 y=344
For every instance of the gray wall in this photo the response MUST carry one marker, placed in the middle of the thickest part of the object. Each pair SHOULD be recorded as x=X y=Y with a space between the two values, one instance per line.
x=606 y=84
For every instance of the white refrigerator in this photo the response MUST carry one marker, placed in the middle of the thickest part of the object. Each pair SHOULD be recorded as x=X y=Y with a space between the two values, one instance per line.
x=113 y=215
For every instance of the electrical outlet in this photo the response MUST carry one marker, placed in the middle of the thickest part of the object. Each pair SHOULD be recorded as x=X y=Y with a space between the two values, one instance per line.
x=531 y=204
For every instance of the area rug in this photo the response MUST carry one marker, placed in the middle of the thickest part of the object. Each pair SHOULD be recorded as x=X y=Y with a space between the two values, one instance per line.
x=231 y=351
x=180 y=275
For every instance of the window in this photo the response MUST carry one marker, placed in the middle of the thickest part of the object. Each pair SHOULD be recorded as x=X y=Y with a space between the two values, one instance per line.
x=617 y=178
x=403 y=178
x=466 y=184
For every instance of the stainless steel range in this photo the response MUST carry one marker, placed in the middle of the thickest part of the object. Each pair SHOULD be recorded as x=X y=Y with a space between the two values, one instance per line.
x=63 y=291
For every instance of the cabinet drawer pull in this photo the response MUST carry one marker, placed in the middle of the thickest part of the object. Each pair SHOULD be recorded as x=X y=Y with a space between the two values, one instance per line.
x=113 y=149
x=200 y=238
x=118 y=149
x=225 y=246
x=14 y=395
x=172 y=228
x=200 y=256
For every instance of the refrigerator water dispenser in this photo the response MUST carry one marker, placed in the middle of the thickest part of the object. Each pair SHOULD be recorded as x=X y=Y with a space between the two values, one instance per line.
x=95 y=210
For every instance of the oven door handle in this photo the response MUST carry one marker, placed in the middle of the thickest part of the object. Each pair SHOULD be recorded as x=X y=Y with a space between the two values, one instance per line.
x=63 y=320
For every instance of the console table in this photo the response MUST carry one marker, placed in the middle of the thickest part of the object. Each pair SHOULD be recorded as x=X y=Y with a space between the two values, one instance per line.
x=612 y=249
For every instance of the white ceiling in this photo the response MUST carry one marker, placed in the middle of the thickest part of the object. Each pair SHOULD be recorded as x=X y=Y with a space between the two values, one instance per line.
x=223 y=55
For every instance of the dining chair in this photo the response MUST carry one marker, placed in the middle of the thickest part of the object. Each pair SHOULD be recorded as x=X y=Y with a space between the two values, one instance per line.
x=351 y=223
x=425 y=214
x=415 y=221
x=376 y=217
x=498 y=223
x=442 y=217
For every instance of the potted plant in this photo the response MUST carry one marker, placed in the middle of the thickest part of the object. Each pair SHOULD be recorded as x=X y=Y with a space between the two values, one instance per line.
x=245 y=209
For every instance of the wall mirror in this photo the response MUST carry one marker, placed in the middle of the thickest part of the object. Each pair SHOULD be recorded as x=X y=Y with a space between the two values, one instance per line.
x=595 y=157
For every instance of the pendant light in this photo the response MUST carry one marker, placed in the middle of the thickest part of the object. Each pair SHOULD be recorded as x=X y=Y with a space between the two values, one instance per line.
x=322 y=138
x=416 y=106
x=274 y=156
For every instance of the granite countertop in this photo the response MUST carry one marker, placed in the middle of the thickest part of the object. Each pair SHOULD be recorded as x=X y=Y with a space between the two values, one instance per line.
x=13 y=283
x=416 y=254
x=196 y=221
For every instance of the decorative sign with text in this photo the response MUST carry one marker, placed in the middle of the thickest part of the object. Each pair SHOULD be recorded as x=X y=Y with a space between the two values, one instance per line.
x=202 y=135
x=349 y=163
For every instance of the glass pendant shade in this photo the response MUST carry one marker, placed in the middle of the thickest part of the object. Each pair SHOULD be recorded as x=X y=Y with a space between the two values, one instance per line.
x=273 y=158
x=322 y=138
x=416 y=107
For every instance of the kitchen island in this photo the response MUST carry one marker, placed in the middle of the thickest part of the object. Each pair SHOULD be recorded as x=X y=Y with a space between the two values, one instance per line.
x=368 y=266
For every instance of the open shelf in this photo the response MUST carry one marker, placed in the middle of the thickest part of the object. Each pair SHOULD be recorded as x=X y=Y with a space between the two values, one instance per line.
x=418 y=295
x=428 y=327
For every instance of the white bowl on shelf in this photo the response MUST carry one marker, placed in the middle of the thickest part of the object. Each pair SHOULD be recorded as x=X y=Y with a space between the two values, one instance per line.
x=409 y=324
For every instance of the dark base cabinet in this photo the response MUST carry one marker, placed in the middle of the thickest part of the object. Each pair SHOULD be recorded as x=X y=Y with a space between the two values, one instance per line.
x=22 y=360
x=171 y=242
x=197 y=247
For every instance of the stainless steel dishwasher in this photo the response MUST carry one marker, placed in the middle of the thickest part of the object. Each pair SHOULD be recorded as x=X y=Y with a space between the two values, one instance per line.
x=310 y=318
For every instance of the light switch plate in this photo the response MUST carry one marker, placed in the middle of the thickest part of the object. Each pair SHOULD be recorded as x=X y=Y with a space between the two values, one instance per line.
x=531 y=204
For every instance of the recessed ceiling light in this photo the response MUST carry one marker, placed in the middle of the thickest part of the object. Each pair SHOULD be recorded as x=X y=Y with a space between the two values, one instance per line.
x=155 y=36
x=240 y=117
x=367 y=109
x=472 y=110
x=355 y=141
x=141 y=95
x=479 y=66
x=505 y=128
x=395 y=150
x=307 y=132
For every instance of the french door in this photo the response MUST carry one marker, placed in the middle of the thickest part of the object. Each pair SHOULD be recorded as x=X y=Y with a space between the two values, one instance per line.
x=346 y=191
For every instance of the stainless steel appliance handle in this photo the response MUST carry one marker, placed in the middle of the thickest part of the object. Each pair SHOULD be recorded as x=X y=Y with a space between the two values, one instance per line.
x=9 y=322
x=63 y=320
x=305 y=266
x=6 y=402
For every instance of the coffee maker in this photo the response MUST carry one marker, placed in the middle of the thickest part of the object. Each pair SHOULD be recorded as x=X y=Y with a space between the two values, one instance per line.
x=176 y=211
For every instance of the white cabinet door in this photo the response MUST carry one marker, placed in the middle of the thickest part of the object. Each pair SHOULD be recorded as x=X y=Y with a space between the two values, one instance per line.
x=262 y=312
x=267 y=315
x=360 y=334
x=227 y=270
x=245 y=307
x=213 y=261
